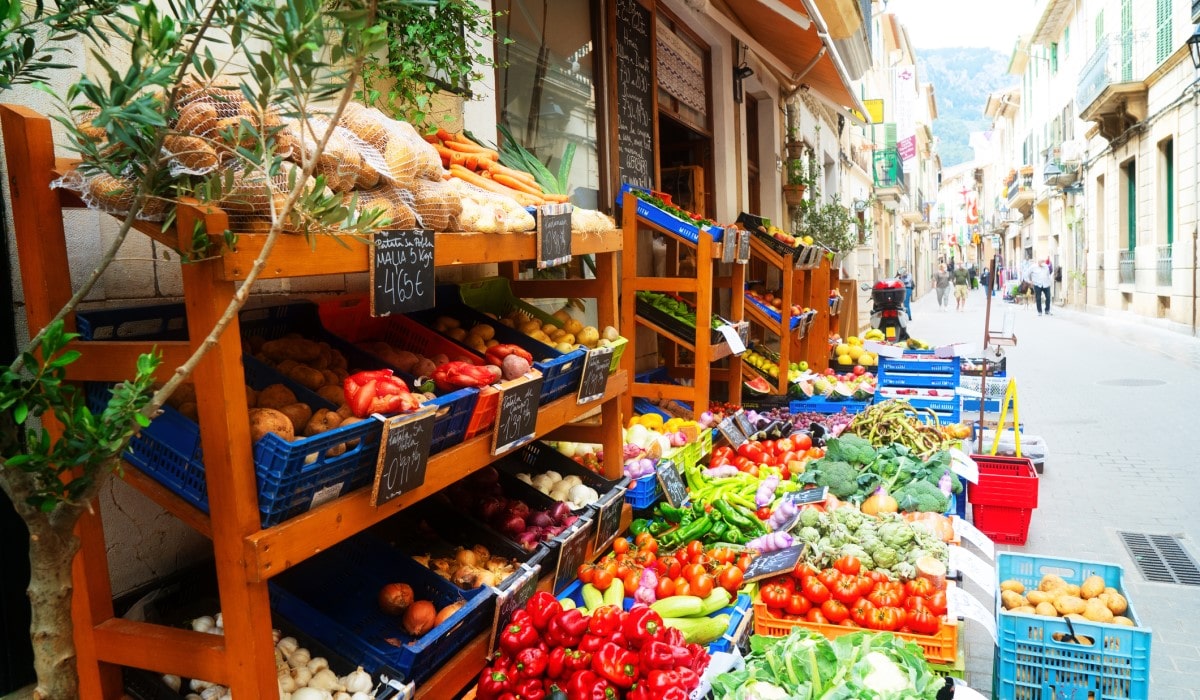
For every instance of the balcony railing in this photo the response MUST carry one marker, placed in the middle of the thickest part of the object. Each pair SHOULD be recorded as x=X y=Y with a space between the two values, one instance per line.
x=889 y=169
x=1127 y=270
x=1163 y=265
x=1116 y=60
x=1022 y=183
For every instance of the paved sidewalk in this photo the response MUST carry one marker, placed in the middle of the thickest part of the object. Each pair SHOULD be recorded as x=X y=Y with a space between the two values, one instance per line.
x=1116 y=404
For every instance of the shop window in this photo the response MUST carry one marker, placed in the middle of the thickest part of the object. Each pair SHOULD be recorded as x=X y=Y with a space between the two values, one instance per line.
x=1129 y=203
x=1166 y=192
x=546 y=86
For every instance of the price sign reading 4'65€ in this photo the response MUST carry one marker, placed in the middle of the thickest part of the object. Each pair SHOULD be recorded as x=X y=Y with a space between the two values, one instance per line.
x=517 y=412
x=401 y=271
x=403 y=455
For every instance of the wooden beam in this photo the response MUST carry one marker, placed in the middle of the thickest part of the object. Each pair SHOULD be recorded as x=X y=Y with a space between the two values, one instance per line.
x=162 y=649
x=116 y=360
x=192 y=516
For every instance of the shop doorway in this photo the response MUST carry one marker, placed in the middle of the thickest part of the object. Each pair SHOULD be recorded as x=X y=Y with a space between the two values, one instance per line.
x=686 y=158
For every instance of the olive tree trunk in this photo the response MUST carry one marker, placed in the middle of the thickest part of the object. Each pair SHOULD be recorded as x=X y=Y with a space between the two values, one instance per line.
x=52 y=549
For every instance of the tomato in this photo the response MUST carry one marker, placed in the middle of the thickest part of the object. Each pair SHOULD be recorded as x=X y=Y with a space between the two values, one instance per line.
x=798 y=605
x=916 y=603
x=865 y=584
x=878 y=576
x=724 y=555
x=669 y=566
x=703 y=585
x=814 y=453
x=829 y=577
x=937 y=602
x=742 y=463
x=695 y=548
x=801 y=442
x=586 y=572
x=752 y=451
x=632 y=579
x=692 y=571
x=861 y=611
x=803 y=570
x=610 y=565
x=886 y=619
x=620 y=545
x=624 y=566
x=835 y=611
x=775 y=595
x=602 y=579
x=702 y=559
x=643 y=538
x=743 y=561
x=643 y=558
x=845 y=589
x=784 y=445
x=849 y=623
x=918 y=587
x=665 y=588
x=682 y=587
x=924 y=622
x=730 y=579
x=883 y=597
x=789 y=457
x=815 y=615
x=815 y=591
x=786 y=581
x=764 y=513
x=848 y=565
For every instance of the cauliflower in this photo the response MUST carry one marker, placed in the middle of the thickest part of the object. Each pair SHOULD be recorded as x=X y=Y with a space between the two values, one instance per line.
x=883 y=675
x=761 y=690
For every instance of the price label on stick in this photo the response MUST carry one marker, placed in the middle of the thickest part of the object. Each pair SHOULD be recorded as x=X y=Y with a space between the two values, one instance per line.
x=401 y=271
x=972 y=534
x=729 y=246
x=513 y=598
x=516 y=413
x=594 y=381
x=743 y=255
x=736 y=345
x=974 y=568
x=673 y=488
x=732 y=434
x=608 y=521
x=771 y=563
x=963 y=465
x=403 y=455
x=553 y=235
x=959 y=603
x=572 y=550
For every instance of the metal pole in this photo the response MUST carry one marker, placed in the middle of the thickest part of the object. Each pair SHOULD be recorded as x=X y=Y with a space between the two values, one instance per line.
x=987 y=340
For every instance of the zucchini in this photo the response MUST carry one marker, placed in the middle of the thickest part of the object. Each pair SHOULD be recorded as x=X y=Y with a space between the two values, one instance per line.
x=716 y=600
x=699 y=630
x=592 y=598
x=615 y=594
x=679 y=606
x=568 y=604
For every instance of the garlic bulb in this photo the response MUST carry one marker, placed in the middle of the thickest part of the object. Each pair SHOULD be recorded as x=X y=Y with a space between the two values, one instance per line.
x=198 y=685
x=317 y=663
x=358 y=681
x=325 y=680
x=173 y=681
x=213 y=692
x=302 y=676
x=287 y=645
x=360 y=695
x=287 y=684
x=311 y=694
x=341 y=695
x=203 y=623
x=299 y=658
x=219 y=621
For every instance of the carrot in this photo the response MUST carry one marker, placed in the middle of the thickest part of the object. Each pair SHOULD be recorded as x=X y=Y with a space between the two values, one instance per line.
x=518 y=174
x=444 y=135
x=473 y=162
x=516 y=184
x=556 y=198
x=481 y=182
x=472 y=148
x=432 y=138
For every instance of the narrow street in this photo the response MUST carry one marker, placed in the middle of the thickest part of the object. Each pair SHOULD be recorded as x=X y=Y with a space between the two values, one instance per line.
x=1115 y=402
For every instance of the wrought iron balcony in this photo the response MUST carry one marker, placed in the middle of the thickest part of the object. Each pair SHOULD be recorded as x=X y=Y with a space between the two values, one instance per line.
x=889 y=172
x=1110 y=91
x=1020 y=190
x=1127 y=259
x=1163 y=265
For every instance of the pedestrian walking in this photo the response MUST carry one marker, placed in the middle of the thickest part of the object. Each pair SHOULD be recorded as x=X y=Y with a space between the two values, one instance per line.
x=983 y=279
x=1039 y=277
x=941 y=284
x=907 y=280
x=973 y=277
x=961 y=280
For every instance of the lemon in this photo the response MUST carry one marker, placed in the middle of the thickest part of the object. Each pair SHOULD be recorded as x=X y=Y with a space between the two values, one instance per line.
x=844 y=360
x=854 y=340
x=855 y=352
x=842 y=349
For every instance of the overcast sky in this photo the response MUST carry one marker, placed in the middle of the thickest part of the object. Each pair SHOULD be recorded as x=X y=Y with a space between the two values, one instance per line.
x=934 y=24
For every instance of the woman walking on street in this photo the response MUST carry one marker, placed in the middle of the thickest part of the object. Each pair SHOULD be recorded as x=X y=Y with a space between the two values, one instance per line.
x=941 y=283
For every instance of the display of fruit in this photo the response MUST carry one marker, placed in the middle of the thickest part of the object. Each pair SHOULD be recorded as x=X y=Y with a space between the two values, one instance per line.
x=851 y=353
x=772 y=300
x=835 y=387
x=572 y=334
x=758 y=359
x=758 y=385
x=874 y=334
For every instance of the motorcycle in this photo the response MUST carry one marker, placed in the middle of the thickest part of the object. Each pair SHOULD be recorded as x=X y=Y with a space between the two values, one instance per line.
x=887 y=309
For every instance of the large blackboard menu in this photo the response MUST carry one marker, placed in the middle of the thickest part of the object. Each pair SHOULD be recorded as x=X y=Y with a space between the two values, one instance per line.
x=633 y=34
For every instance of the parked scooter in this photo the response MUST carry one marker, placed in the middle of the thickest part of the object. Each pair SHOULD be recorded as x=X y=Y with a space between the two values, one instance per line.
x=887 y=309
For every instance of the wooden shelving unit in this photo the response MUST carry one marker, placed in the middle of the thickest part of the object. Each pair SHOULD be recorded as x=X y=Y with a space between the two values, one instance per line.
x=247 y=555
x=702 y=286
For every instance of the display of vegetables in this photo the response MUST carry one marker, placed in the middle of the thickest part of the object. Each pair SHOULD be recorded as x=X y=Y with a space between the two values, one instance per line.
x=568 y=489
x=674 y=306
x=691 y=570
x=645 y=443
x=470 y=568
x=853 y=470
x=894 y=422
x=887 y=543
x=1091 y=601
x=855 y=666
x=481 y=494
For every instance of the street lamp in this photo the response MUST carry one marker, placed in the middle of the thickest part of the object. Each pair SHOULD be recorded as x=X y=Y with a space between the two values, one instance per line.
x=1051 y=174
x=1193 y=43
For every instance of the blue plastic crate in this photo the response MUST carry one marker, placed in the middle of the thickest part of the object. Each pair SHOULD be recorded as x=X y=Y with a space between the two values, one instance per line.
x=668 y=222
x=642 y=493
x=890 y=377
x=333 y=597
x=820 y=404
x=1031 y=654
x=774 y=314
x=922 y=366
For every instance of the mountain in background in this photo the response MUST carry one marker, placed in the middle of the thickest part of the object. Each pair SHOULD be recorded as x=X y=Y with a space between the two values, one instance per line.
x=962 y=79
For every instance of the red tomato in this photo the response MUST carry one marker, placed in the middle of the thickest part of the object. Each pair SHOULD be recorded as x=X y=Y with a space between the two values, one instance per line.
x=665 y=588
x=602 y=579
x=887 y=619
x=814 y=453
x=586 y=572
x=724 y=555
x=790 y=456
x=918 y=587
x=849 y=623
x=775 y=595
x=924 y=622
x=829 y=577
x=797 y=605
x=693 y=571
x=730 y=579
x=784 y=445
x=695 y=548
x=937 y=602
x=865 y=584
x=815 y=615
x=703 y=585
x=861 y=611
x=742 y=463
x=752 y=451
x=682 y=587
x=845 y=589
x=764 y=513
x=743 y=561
x=884 y=597
x=620 y=545
x=643 y=538
x=915 y=603
x=801 y=442
x=835 y=611
x=803 y=570
x=848 y=565
x=670 y=567
x=815 y=591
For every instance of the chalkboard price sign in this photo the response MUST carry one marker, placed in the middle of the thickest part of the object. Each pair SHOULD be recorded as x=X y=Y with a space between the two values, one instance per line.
x=572 y=550
x=771 y=563
x=743 y=423
x=401 y=271
x=635 y=92
x=743 y=255
x=595 y=375
x=608 y=521
x=517 y=412
x=553 y=235
x=673 y=488
x=729 y=246
x=731 y=432
x=403 y=454
x=513 y=599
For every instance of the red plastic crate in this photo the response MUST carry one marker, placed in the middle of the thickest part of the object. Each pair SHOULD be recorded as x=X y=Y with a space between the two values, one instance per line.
x=1003 y=524
x=1004 y=481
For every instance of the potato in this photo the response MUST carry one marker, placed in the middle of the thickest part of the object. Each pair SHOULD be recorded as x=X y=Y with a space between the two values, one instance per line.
x=1072 y=589
x=1027 y=609
x=1092 y=587
x=324 y=419
x=1122 y=620
x=457 y=333
x=251 y=396
x=276 y=396
x=1012 y=600
x=1051 y=581
x=1117 y=603
x=1038 y=597
x=306 y=376
x=1069 y=604
x=298 y=413
x=484 y=331
x=330 y=377
x=1045 y=609
x=1096 y=611
x=1110 y=590
x=333 y=393
x=268 y=420
x=1075 y=617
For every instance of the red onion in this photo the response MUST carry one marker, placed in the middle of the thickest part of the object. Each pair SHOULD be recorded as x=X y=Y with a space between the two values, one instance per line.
x=487 y=475
x=554 y=530
x=569 y=521
x=514 y=525
x=561 y=510
x=541 y=519
x=489 y=507
x=528 y=539
x=518 y=508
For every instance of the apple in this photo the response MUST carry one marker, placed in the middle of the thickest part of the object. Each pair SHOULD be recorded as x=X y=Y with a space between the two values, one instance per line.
x=859 y=370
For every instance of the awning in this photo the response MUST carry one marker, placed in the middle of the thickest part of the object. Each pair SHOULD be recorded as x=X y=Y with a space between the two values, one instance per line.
x=784 y=30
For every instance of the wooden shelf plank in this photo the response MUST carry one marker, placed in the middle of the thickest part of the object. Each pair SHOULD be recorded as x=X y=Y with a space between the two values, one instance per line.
x=163 y=649
x=677 y=285
x=659 y=392
x=760 y=317
x=272 y=551
x=116 y=360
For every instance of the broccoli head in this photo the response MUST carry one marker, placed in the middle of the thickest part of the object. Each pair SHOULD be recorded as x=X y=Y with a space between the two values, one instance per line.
x=921 y=496
x=850 y=448
x=839 y=477
x=956 y=484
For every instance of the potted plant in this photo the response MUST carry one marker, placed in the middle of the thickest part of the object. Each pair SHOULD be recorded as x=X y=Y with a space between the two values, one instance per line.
x=801 y=173
x=831 y=226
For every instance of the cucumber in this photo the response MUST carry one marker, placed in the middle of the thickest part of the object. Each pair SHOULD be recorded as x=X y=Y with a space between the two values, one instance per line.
x=615 y=595
x=568 y=604
x=592 y=598
x=699 y=630
x=716 y=600
x=679 y=606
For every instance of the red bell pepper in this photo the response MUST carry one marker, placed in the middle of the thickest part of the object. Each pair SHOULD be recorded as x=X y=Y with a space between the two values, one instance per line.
x=659 y=680
x=566 y=629
x=591 y=643
x=378 y=391
x=532 y=662
x=656 y=655
x=518 y=634
x=586 y=685
x=492 y=683
x=530 y=689
x=542 y=608
x=639 y=692
x=456 y=374
x=672 y=636
x=495 y=355
x=674 y=694
x=577 y=660
x=699 y=658
x=556 y=662
x=688 y=679
x=641 y=625
x=606 y=621
x=617 y=664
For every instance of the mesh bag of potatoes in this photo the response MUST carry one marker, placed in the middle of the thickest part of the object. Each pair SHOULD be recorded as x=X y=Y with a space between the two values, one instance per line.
x=1091 y=601
x=397 y=204
x=209 y=127
x=249 y=197
x=398 y=151
x=346 y=161
x=437 y=204
x=488 y=212
x=111 y=194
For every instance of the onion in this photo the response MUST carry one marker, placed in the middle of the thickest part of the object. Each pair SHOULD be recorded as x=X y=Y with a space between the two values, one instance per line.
x=419 y=618
x=445 y=613
x=561 y=510
x=554 y=530
x=513 y=525
x=489 y=507
x=395 y=598
x=569 y=521
x=518 y=508
x=466 y=557
x=487 y=475
x=541 y=519
x=527 y=538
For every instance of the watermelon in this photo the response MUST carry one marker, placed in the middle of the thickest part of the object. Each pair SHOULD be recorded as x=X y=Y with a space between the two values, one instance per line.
x=758 y=385
x=841 y=392
x=864 y=392
x=802 y=390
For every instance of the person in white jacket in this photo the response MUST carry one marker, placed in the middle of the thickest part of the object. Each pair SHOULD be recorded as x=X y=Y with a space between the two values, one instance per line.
x=1041 y=280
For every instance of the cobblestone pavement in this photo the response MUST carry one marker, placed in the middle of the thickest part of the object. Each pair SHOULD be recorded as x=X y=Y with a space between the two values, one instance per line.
x=1116 y=402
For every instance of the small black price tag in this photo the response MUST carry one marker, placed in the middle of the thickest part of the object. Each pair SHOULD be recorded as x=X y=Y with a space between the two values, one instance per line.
x=729 y=245
x=594 y=382
x=731 y=432
x=673 y=488
x=517 y=412
x=572 y=551
x=608 y=521
x=553 y=235
x=806 y=496
x=771 y=563
x=403 y=455
x=743 y=423
x=401 y=271
x=512 y=599
x=743 y=254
